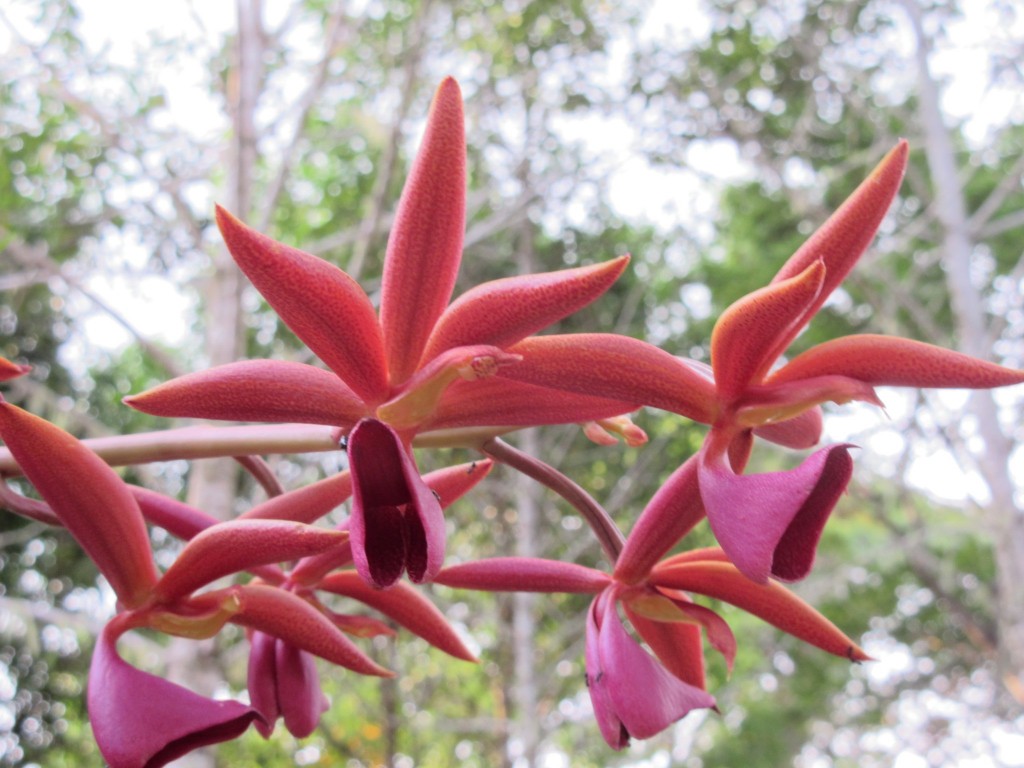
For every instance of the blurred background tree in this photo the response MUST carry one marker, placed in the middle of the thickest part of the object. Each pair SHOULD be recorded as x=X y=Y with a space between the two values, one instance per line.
x=705 y=138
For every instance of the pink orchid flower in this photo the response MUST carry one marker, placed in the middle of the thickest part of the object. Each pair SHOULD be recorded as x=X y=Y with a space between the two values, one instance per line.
x=420 y=365
x=770 y=523
x=635 y=695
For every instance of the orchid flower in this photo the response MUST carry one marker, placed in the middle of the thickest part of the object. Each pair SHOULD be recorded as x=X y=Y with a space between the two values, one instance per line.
x=770 y=523
x=420 y=365
x=102 y=514
x=283 y=681
x=635 y=695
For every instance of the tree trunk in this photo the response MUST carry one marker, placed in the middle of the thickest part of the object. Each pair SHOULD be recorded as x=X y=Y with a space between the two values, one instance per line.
x=1005 y=520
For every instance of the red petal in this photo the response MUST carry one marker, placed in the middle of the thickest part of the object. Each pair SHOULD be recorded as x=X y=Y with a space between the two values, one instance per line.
x=672 y=513
x=503 y=312
x=139 y=719
x=616 y=367
x=92 y=502
x=452 y=483
x=406 y=606
x=841 y=240
x=237 y=545
x=745 y=340
x=889 y=361
x=425 y=246
x=255 y=390
x=262 y=681
x=769 y=601
x=325 y=307
x=292 y=619
x=779 y=402
x=298 y=690
x=504 y=403
x=307 y=504
x=523 y=574
x=678 y=646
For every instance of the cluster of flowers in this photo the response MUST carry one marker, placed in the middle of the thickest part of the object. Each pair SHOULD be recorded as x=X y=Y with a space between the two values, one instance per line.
x=426 y=371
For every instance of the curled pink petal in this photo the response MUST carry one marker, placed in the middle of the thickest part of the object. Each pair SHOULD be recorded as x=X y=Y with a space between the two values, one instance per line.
x=396 y=523
x=523 y=574
x=770 y=523
x=92 y=502
x=323 y=306
x=505 y=311
x=139 y=719
x=425 y=246
x=887 y=361
x=630 y=689
x=255 y=390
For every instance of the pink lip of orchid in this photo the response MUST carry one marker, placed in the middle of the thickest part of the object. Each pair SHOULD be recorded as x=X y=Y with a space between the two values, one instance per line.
x=414 y=368
x=769 y=524
x=632 y=693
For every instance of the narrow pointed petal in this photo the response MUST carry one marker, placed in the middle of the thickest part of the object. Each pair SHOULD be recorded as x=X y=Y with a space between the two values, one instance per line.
x=324 y=307
x=92 y=502
x=800 y=432
x=292 y=619
x=896 y=362
x=425 y=246
x=770 y=524
x=615 y=367
x=237 y=545
x=9 y=370
x=646 y=697
x=418 y=398
x=841 y=240
x=523 y=574
x=501 y=402
x=307 y=504
x=672 y=513
x=406 y=606
x=770 y=601
x=176 y=517
x=396 y=523
x=139 y=719
x=452 y=483
x=745 y=338
x=255 y=390
x=298 y=690
x=503 y=312
x=360 y=626
x=262 y=681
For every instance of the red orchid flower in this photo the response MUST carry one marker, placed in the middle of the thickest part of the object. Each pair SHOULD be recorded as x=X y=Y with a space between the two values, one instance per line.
x=101 y=513
x=282 y=677
x=770 y=523
x=633 y=694
x=421 y=365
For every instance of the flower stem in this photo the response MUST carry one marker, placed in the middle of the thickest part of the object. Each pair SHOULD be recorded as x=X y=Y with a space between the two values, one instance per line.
x=608 y=534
